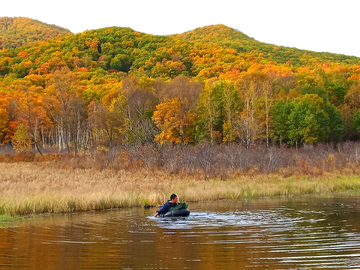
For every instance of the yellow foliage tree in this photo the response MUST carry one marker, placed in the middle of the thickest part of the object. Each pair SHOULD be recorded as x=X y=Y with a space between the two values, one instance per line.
x=173 y=122
x=21 y=141
x=4 y=123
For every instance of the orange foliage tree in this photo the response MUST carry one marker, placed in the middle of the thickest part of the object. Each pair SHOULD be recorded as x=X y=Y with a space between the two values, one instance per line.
x=173 y=123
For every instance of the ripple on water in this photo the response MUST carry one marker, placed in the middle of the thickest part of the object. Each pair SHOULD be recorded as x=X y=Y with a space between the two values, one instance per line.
x=304 y=238
x=317 y=233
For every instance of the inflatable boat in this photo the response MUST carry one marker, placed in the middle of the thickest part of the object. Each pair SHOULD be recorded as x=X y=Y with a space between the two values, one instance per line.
x=184 y=212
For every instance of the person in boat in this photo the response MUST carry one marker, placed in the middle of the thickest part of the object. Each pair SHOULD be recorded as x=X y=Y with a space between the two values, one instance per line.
x=168 y=205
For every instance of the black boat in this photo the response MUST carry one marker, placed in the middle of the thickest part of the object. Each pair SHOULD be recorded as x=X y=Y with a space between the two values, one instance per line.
x=184 y=212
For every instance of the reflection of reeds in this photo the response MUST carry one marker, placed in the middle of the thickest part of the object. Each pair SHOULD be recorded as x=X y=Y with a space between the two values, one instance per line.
x=27 y=188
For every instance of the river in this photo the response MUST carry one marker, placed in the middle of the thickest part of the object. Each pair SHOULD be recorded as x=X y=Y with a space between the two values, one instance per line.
x=276 y=233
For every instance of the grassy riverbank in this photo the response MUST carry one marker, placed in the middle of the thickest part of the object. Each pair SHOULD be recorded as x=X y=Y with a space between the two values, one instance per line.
x=30 y=188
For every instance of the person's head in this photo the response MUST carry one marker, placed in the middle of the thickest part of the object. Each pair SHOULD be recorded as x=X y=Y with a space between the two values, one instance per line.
x=173 y=198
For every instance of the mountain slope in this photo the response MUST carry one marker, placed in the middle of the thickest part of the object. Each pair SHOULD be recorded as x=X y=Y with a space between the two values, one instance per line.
x=112 y=49
x=225 y=36
x=19 y=31
x=221 y=35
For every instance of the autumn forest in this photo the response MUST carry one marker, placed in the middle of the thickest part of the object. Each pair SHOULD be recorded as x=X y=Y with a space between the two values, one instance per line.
x=213 y=85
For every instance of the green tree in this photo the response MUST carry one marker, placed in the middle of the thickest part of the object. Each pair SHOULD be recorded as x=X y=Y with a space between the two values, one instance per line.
x=211 y=113
x=280 y=114
x=336 y=91
x=336 y=123
x=233 y=105
x=121 y=62
x=306 y=119
x=357 y=120
x=308 y=122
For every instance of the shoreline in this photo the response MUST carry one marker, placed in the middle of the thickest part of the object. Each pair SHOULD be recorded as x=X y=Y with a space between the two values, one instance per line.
x=37 y=188
x=4 y=218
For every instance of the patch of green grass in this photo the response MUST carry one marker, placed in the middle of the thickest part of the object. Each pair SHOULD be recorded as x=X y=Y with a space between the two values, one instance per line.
x=5 y=217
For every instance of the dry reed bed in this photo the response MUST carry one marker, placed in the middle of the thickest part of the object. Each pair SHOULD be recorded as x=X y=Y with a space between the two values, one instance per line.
x=30 y=188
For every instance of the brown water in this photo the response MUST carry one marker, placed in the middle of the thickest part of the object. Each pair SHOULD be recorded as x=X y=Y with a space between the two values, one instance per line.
x=302 y=233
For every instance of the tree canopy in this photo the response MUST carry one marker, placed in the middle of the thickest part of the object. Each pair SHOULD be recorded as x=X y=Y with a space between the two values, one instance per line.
x=19 y=31
x=213 y=84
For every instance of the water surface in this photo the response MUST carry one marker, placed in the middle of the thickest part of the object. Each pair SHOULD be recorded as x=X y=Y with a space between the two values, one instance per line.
x=300 y=233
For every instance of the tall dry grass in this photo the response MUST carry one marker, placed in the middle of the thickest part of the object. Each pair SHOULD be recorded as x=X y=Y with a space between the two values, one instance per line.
x=30 y=188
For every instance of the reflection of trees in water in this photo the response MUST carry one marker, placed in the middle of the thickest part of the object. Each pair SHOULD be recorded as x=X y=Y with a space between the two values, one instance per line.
x=322 y=225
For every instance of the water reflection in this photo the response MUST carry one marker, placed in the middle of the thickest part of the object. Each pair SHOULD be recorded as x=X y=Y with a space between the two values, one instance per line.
x=303 y=233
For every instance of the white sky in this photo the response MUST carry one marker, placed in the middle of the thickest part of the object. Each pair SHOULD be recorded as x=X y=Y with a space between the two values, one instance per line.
x=318 y=25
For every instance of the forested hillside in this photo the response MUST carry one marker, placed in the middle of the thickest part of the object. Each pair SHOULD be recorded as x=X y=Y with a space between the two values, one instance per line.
x=231 y=38
x=212 y=85
x=19 y=31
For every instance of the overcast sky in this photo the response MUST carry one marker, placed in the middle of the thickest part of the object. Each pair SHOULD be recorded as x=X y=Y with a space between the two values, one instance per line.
x=318 y=25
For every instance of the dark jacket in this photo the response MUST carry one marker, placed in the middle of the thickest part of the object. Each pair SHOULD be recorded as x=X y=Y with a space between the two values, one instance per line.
x=166 y=207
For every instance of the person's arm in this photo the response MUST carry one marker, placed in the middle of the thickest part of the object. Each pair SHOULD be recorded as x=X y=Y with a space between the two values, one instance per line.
x=163 y=210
